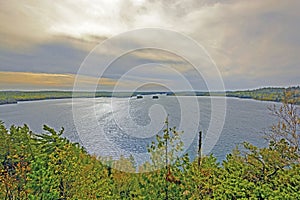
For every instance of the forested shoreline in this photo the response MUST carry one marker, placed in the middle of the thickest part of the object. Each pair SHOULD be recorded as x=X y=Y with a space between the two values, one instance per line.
x=48 y=166
x=262 y=94
x=267 y=94
x=10 y=97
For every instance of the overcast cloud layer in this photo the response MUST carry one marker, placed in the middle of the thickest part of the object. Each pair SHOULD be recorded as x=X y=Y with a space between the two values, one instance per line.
x=254 y=43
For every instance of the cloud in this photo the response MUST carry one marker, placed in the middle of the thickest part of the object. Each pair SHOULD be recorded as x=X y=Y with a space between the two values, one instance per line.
x=250 y=40
x=32 y=22
x=165 y=58
x=18 y=26
x=28 y=80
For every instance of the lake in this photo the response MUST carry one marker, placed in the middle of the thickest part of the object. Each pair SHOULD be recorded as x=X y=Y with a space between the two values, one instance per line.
x=125 y=126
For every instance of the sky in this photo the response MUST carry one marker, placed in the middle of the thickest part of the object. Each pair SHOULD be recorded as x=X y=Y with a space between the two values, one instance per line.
x=242 y=44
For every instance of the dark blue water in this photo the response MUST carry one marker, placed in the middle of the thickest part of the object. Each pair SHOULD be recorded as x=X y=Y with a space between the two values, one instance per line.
x=115 y=126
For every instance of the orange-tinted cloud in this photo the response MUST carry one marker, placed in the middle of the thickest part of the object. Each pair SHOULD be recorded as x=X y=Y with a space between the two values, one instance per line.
x=43 y=80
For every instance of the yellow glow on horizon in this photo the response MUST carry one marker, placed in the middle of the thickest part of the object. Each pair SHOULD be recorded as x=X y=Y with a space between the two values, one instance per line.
x=49 y=80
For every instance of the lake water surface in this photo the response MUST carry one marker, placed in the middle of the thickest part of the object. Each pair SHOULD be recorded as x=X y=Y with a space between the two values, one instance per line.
x=128 y=125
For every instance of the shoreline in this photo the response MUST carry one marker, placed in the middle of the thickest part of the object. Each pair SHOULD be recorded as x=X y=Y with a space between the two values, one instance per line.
x=263 y=94
x=58 y=98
